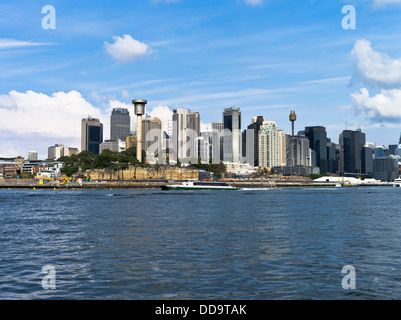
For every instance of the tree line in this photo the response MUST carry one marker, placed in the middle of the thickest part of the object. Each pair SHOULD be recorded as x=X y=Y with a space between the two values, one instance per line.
x=112 y=160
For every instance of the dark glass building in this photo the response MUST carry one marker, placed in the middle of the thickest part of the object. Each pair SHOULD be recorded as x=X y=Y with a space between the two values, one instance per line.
x=250 y=142
x=352 y=144
x=91 y=135
x=120 y=124
x=232 y=138
x=318 y=142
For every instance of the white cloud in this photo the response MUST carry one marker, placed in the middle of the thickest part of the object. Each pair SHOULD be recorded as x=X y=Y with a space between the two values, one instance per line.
x=384 y=106
x=375 y=68
x=379 y=71
x=35 y=121
x=126 y=48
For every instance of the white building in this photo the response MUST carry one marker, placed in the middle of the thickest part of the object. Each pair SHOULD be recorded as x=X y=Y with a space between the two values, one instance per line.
x=32 y=156
x=269 y=145
x=115 y=146
x=55 y=152
x=239 y=168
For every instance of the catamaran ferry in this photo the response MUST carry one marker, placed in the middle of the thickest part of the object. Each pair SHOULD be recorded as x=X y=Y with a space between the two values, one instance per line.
x=199 y=185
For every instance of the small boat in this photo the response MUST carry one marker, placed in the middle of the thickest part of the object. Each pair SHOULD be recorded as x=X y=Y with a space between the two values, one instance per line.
x=397 y=183
x=199 y=185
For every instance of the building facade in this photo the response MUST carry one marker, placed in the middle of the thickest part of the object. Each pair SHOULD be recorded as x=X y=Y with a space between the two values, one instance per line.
x=55 y=152
x=252 y=141
x=317 y=136
x=351 y=145
x=120 y=124
x=232 y=137
x=269 y=145
x=152 y=136
x=299 y=153
x=217 y=141
x=91 y=135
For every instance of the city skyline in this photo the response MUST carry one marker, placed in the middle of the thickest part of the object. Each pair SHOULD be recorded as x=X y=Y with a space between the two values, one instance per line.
x=265 y=57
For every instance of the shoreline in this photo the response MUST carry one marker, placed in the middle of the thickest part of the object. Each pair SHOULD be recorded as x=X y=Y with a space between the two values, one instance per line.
x=157 y=184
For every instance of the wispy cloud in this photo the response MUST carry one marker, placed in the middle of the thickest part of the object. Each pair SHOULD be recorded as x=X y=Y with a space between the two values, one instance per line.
x=11 y=43
x=327 y=80
x=254 y=2
x=385 y=3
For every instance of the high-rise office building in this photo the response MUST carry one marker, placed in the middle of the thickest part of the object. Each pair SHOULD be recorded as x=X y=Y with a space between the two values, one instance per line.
x=332 y=161
x=232 y=137
x=217 y=141
x=351 y=144
x=120 y=124
x=269 y=145
x=152 y=136
x=318 y=143
x=298 y=152
x=91 y=135
x=193 y=133
x=180 y=141
x=367 y=160
x=252 y=141
x=386 y=168
x=282 y=148
x=392 y=148
x=381 y=151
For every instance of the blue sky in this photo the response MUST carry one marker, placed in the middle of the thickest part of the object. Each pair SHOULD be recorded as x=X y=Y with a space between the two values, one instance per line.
x=266 y=57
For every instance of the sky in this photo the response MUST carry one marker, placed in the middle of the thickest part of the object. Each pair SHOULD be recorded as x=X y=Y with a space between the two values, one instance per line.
x=266 y=57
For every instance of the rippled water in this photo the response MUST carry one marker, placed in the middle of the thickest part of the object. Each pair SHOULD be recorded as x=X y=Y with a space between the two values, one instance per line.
x=153 y=244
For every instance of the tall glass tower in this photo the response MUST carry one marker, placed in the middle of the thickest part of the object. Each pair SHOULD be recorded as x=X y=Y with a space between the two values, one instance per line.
x=232 y=135
x=120 y=124
x=91 y=135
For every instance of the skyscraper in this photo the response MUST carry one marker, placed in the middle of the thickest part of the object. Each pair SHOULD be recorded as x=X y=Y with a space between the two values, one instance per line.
x=152 y=136
x=351 y=144
x=299 y=153
x=217 y=142
x=193 y=133
x=186 y=129
x=318 y=142
x=332 y=163
x=120 y=124
x=269 y=145
x=252 y=141
x=282 y=148
x=91 y=134
x=232 y=135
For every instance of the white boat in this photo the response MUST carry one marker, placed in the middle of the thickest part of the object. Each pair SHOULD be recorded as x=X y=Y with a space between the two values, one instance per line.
x=199 y=185
x=397 y=183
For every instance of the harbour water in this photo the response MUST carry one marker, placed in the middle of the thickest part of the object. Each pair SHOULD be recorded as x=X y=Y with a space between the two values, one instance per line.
x=282 y=243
